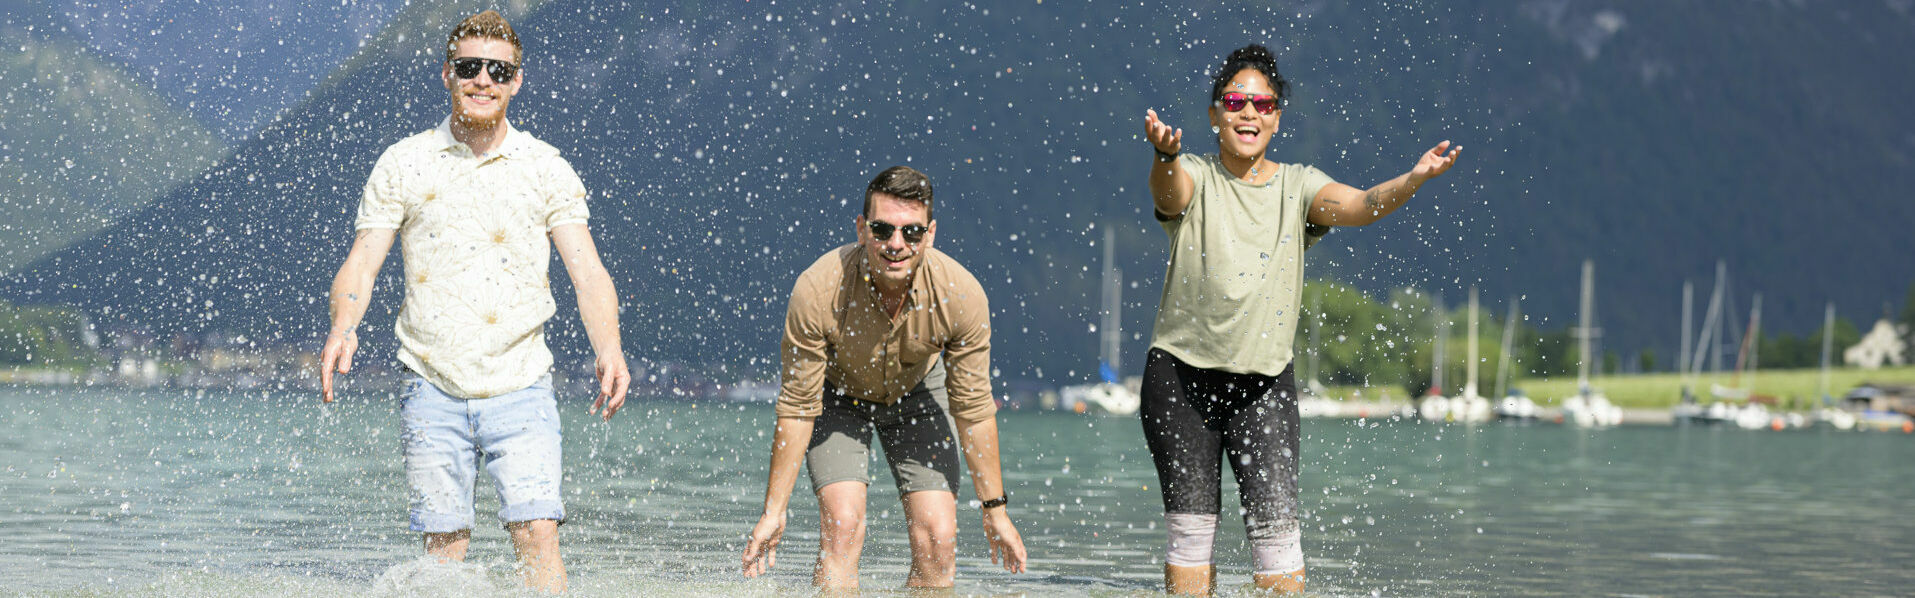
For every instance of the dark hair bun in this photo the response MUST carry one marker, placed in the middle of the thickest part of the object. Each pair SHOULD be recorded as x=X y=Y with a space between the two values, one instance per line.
x=1254 y=57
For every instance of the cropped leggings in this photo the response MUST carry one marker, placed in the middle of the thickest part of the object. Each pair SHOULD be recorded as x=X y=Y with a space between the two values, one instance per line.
x=1192 y=417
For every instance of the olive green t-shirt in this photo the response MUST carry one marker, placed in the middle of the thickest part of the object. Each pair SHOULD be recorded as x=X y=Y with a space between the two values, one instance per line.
x=1236 y=268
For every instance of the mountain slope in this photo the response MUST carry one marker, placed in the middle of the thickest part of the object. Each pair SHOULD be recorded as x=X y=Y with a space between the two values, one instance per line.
x=77 y=146
x=728 y=146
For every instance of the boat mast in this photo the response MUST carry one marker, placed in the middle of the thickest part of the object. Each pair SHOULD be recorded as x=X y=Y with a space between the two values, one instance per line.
x=1828 y=339
x=1584 y=332
x=1112 y=303
x=1688 y=309
x=1509 y=340
x=1711 y=320
x=1442 y=330
x=1746 y=355
x=1469 y=380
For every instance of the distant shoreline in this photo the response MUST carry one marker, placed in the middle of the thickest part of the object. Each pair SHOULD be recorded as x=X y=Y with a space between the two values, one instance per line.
x=1794 y=390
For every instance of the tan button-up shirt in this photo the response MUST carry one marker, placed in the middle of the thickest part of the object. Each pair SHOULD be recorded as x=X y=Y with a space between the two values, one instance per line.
x=473 y=230
x=836 y=330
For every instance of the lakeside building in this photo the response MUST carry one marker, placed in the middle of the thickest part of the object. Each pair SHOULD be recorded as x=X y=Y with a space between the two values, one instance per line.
x=1883 y=345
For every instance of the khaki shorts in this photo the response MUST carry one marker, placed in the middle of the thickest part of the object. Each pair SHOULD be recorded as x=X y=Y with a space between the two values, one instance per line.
x=918 y=435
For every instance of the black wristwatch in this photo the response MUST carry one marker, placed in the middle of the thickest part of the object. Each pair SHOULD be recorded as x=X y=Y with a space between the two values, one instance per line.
x=1163 y=157
x=995 y=502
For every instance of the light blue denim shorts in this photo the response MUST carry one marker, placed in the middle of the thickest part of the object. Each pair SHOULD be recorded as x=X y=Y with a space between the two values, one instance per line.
x=516 y=436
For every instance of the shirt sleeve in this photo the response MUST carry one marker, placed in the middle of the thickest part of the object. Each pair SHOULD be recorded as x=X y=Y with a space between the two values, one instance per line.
x=802 y=355
x=1313 y=182
x=967 y=355
x=383 y=203
x=1193 y=165
x=564 y=195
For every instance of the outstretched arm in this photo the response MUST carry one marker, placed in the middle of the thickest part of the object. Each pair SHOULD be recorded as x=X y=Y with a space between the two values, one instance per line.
x=788 y=446
x=1170 y=186
x=979 y=439
x=351 y=294
x=800 y=400
x=598 y=308
x=1338 y=204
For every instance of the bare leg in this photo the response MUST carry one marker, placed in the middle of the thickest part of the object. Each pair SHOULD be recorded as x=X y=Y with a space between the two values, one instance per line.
x=932 y=518
x=1282 y=583
x=1190 y=581
x=840 y=535
x=449 y=547
x=537 y=543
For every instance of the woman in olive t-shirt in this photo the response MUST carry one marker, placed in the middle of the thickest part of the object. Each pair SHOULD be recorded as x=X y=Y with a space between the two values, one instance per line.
x=1218 y=379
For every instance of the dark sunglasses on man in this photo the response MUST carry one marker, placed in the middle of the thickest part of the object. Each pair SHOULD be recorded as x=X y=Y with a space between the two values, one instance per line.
x=501 y=71
x=913 y=233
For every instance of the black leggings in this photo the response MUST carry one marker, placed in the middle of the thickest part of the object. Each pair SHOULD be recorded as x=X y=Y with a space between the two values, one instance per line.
x=1192 y=415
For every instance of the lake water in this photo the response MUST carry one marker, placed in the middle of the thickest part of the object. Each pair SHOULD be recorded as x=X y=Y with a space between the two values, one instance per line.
x=113 y=492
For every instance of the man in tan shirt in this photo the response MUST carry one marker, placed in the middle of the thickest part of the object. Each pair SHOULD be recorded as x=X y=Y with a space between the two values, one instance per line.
x=478 y=206
x=890 y=335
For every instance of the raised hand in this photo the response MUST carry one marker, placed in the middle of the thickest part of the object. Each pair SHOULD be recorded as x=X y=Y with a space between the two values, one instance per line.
x=1435 y=162
x=613 y=380
x=1166 y=139
x=337 y=356
x=761 y=549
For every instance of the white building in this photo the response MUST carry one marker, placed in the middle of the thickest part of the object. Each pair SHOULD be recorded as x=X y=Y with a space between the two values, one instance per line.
x=1881 y=346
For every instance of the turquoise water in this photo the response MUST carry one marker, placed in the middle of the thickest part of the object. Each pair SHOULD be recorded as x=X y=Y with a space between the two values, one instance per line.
x=119 y=492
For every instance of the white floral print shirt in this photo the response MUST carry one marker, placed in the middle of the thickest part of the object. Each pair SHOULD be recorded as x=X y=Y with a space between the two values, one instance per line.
x=474 y=233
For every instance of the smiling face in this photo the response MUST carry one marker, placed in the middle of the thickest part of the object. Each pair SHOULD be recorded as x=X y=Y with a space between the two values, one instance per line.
x=480 y=102
x=1245 y=133
x=891 y=262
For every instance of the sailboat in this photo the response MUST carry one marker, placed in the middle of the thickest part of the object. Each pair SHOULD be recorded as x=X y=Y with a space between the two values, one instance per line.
x=1588 y=408
x=1690 y=411
x=1514 y=407
x=1434 y=406
x=1470 y=406
x=1829 y=412
x=1730 y=404
x=1109 y=395
x=1752 y=415
x=1312 y=395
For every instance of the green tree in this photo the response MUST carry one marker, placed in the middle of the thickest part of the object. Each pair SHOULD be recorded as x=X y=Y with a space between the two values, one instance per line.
x=42 y=335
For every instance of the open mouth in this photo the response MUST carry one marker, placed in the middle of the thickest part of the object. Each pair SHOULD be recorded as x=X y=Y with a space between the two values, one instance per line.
x=1246 y=133
x=895 y=261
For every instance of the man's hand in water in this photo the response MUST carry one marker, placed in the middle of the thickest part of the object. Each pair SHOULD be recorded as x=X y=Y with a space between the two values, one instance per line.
x=337 y=356
x=1006 y=544
x=761 y=549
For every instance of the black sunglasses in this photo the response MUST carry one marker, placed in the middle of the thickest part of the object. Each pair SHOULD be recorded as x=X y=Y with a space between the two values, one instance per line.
x=468 y=68
x=913 y=233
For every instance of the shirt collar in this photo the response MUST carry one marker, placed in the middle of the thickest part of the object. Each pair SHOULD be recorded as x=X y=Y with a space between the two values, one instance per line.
x=918 y=286
x=510 y=147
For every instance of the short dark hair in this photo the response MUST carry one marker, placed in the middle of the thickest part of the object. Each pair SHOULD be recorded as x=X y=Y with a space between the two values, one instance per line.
x=488 y=24
x=902 y=182
x=1254 y=57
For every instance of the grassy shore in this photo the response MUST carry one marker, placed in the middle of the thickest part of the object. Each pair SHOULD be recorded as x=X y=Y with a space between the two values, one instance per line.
x=1797 y=388
x=1793 y=388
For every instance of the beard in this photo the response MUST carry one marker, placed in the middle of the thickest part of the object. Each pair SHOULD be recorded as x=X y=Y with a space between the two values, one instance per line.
x=481 y=121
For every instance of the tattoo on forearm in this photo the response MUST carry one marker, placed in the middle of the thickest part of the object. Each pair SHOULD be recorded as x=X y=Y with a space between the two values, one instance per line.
x=352 y=297
x=1373 y=200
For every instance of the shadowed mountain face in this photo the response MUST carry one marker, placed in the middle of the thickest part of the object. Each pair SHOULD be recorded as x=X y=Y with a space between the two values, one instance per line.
x=727 y=148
